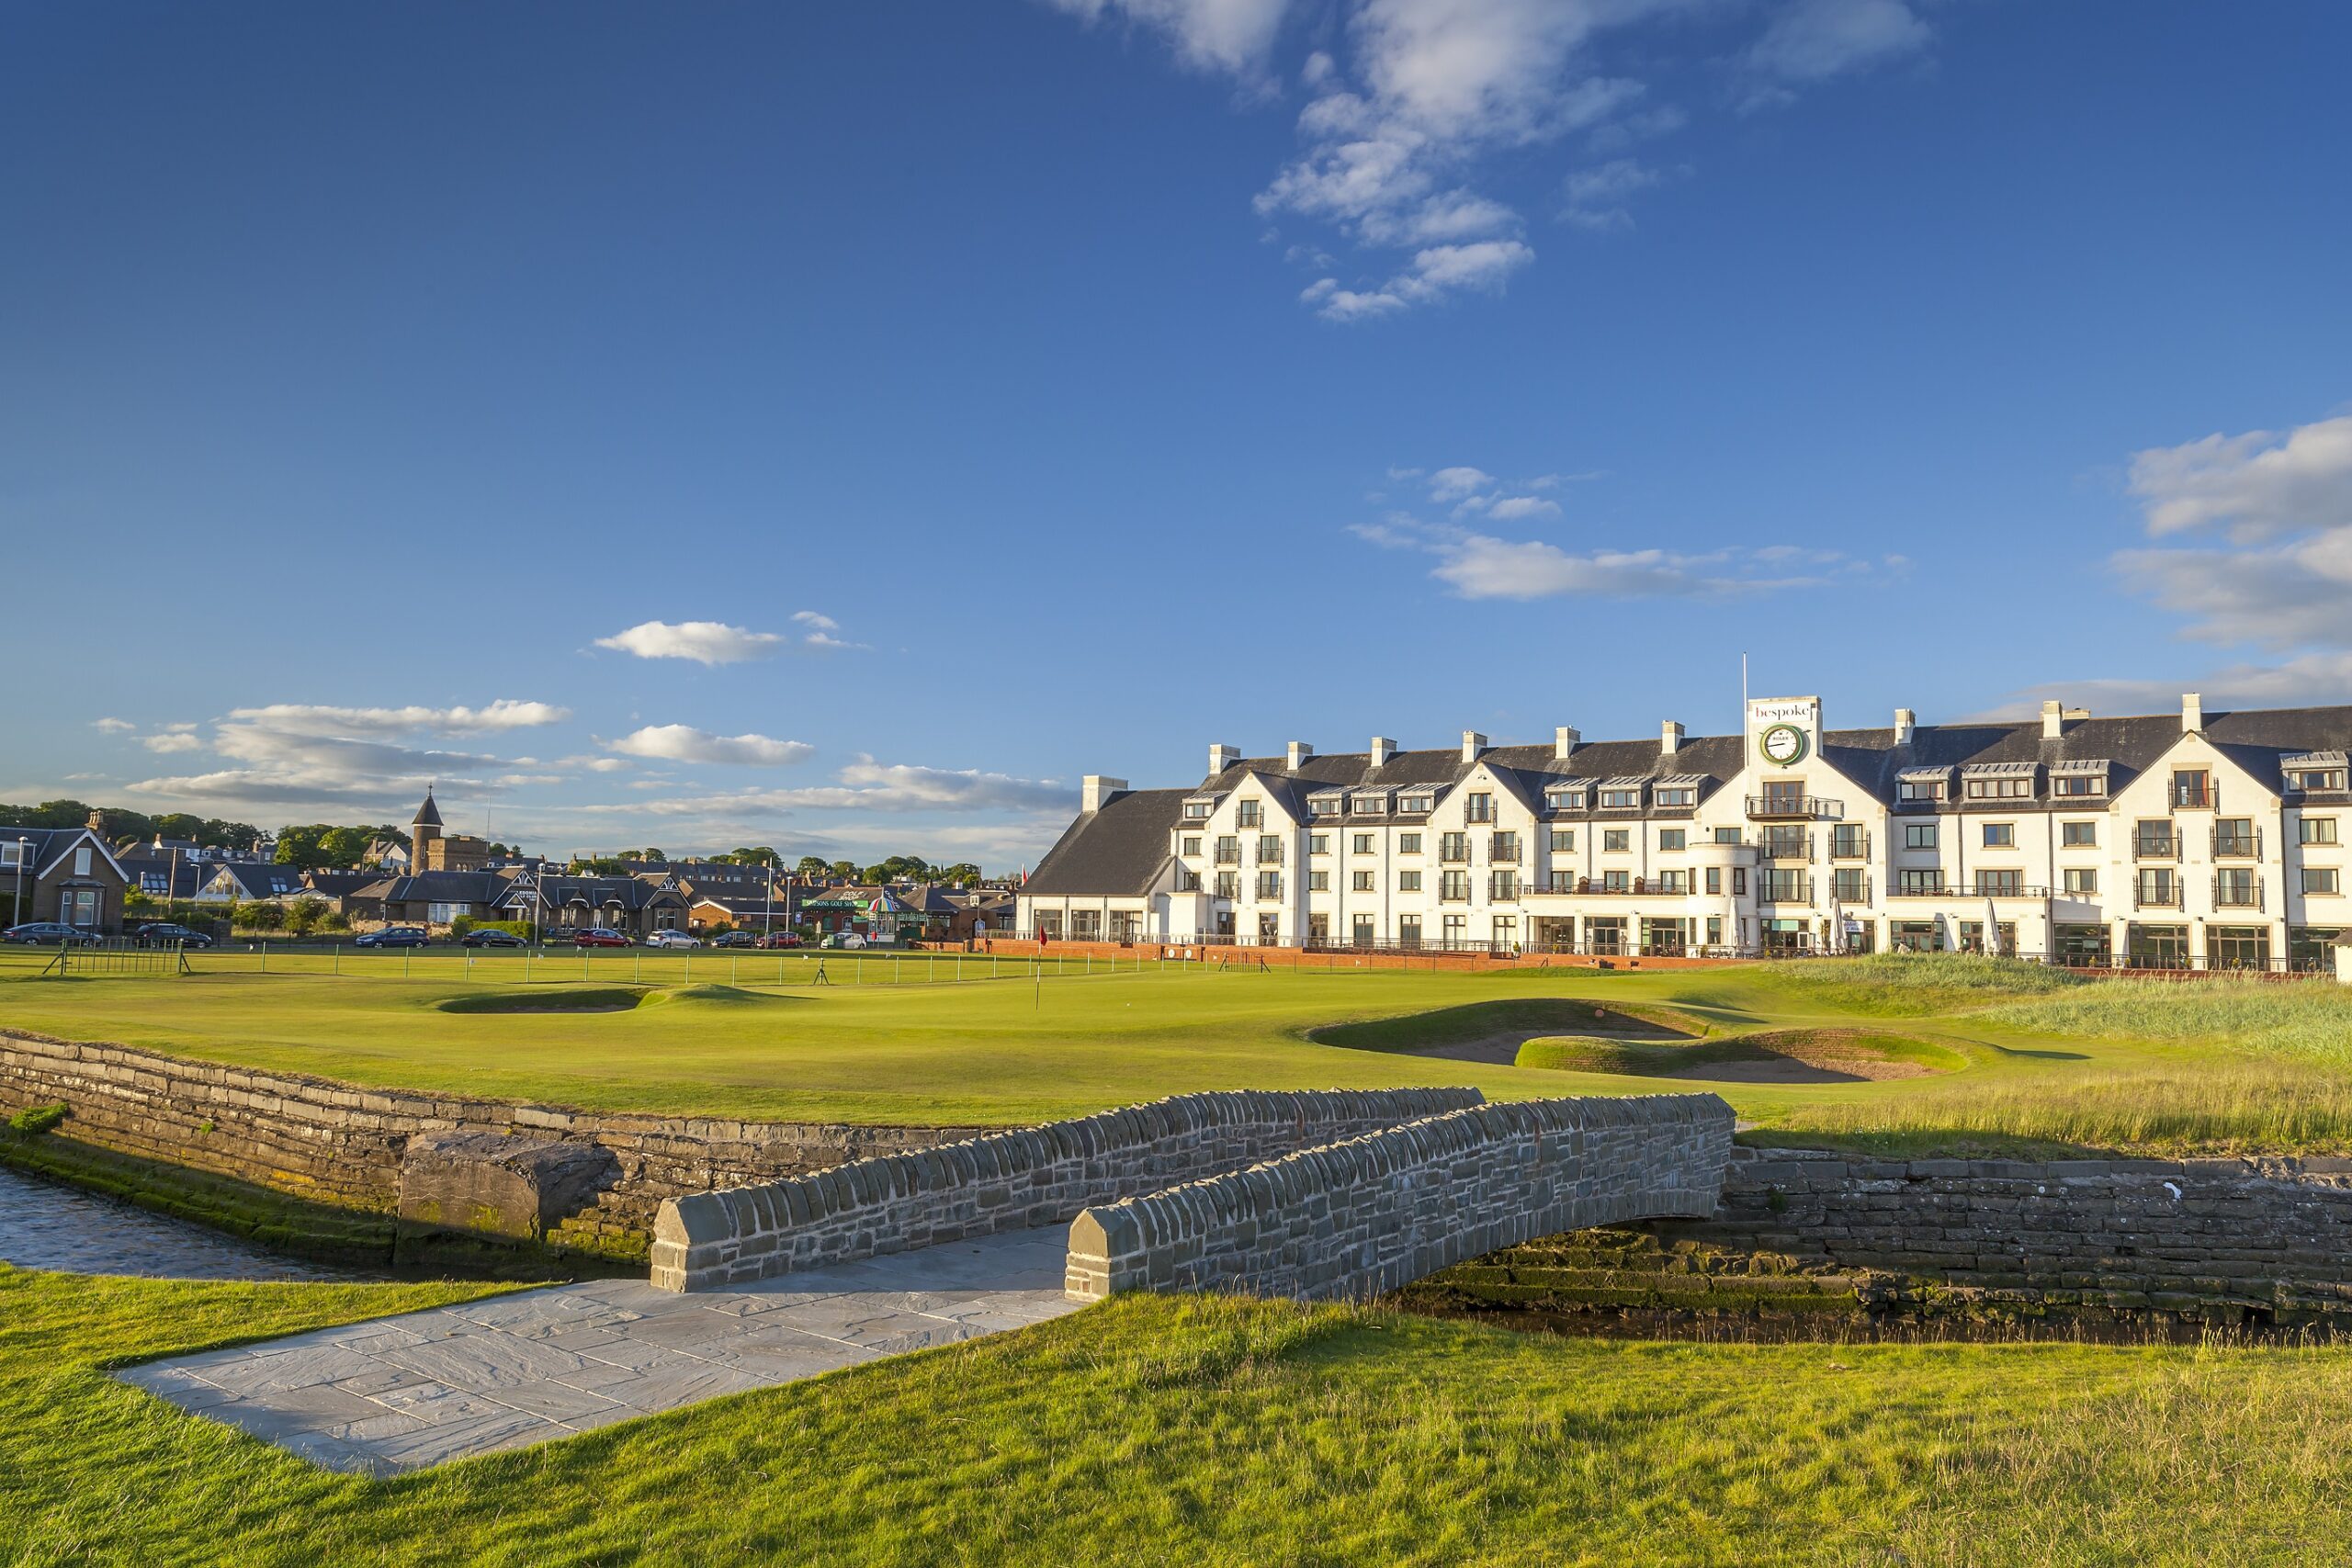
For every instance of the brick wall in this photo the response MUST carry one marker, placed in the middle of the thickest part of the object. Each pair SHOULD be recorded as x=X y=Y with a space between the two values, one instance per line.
x=328 y=1141
x=1359 y=1217
x=1006 y=1180
x=2269 y=1239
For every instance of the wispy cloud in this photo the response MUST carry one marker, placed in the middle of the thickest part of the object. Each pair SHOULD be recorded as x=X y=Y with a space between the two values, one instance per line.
x=867 y=785
x=1808 y=42
x=2299 y=682
x=818 y=631
x=704 y=642
x=683 y=743
x=311 y=718
x=113 y=725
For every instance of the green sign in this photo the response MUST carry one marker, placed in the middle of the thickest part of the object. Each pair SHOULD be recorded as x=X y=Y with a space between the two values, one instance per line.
x=1783 y=745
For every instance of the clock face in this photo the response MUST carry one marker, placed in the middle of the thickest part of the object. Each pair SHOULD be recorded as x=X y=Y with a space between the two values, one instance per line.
x=1783 y=745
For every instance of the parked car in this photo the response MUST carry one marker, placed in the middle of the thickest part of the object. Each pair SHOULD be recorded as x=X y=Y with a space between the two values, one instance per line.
x=598 y=936
x=394 y=936
x=48 y=934
x=491 y=937
x=781 y=939
x=735 y=938
x=163 y=933
x=847 y=940
x=672 y=939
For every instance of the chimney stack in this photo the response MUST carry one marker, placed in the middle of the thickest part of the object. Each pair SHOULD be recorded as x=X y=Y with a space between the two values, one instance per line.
x=2053 y=720
x=1669 y=737
x=1096 y=788
x=1382 y=749
x=1300 y=751
x=1564 y=740
x=1222 y=758
x=1472 y=744
x=2192 y=713
x=1905 y=721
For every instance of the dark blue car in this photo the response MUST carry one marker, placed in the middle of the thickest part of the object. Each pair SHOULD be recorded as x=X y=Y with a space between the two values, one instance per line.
x=395 y=936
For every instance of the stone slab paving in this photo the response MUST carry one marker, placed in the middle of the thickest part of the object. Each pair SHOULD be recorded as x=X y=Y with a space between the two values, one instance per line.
x=44 y=1224
x=399 y=1393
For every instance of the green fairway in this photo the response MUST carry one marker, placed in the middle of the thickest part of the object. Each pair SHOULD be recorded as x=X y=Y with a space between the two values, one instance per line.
x=1207 y=1430
x=2003 y=1055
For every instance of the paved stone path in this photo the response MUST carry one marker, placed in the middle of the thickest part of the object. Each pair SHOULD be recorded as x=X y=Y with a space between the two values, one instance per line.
x=47 y=1226
x=403 y=1393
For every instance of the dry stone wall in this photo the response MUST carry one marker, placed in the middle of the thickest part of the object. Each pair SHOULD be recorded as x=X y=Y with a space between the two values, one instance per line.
x=316 y=1138
x=1369 y=1214
x=2230 y=1239
x=1008 y=1180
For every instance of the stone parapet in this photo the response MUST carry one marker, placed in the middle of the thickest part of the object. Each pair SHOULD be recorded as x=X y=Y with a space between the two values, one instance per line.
x=1037 y=1175
x=1359 y=1216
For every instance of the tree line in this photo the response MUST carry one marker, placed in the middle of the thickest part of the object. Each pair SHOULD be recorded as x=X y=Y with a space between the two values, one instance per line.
x=122 y=822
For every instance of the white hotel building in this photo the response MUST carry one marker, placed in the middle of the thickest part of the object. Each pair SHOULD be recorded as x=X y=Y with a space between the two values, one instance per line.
x=2172 y=841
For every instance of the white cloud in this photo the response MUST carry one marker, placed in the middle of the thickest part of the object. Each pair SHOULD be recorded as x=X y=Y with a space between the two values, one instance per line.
x=895 y=788
x=1812 y=41
x=1511 y=508
x=1233 y=35
x=1477 y=565
x=2282 y=508
x=174 y=740
x=113 y=725
x=1453 y=484
x=593 y=764
x=306 y=719
x=2296 y=683
x=816 y=622
x=1597 y=196
x=704 y=642
x=683 y=743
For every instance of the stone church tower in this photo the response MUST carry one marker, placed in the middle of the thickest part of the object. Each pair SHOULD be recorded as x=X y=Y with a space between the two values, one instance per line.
x=425 y=836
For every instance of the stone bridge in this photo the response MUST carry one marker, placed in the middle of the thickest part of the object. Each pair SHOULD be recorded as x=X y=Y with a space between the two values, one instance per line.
x=1308 y=1195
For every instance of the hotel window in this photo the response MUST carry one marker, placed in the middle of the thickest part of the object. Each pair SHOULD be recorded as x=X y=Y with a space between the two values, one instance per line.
x=1408 y=931
x=2235 y=888
x=1409 y=844
x=1502 y=885
x=1780 y=886
x=1318 y=882
x=1848 y=840
x=1507 y=930
x=1714 y=930
x=2330 y=778
x=2078 y=784
x=2000 y=883
x=1788 y=843
x=2079 y=835
x=1502 y=849
x=1564 y=840
x=2081 y=879
x=1228 y=884
x=1086 y=924
x=1228 y=849
x=2003 y=787
x=1366 y=930
x=1479 y=807
x=1414 y=802
x=2000 y=835
x=1726 y=835
x=1922 y=881
x=1919 y=789
x=1270 y=848
x=1192 y=844
x=1851 y=883
x=1739 y=881
x=1673 y=881
x=2156 y=889
x=1196 y=809
x=2315 y=830
x=2192 y=788
x=1360 y=843
x=1621 y=800
x=1453 y=846
x=1323 y=807
x=1715 y=879
x=1319 y=843
x=1408 y=882
x=1453 y=887
x=1246 y=814
x=1361 y=881
x=2320 y=879
x=1616 y=881
x=1270 y=884
x=2235 y=837
x=1918 y=835
x=1187 y=880
x=1670 y=839
x=1457 y=932
x=1617 y=839
x=1679 y=795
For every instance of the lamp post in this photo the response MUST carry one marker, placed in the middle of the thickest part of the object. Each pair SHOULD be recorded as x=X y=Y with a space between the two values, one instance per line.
x=16 y=909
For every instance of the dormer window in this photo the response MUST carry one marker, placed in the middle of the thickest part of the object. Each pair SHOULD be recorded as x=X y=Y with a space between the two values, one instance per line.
x=1196 y=810
x=1422 y=802
x=1678 y=796
x=1621 y=800
x=1324 y=805
x=1479 y=808
x=1248 y=814
x=2317 y=779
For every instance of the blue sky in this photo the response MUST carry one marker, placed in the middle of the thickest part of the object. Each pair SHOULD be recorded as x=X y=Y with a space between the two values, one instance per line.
x=843 y=426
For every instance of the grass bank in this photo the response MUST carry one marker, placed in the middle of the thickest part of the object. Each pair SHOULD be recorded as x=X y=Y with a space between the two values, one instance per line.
x=1188 y=1430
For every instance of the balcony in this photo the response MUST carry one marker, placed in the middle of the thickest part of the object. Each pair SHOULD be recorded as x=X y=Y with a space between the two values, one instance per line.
x=1799 y=808
x=1786 y=844
x=2238 y=846
x=1856 y=846
x=1228 y=857
x=1503 y=849
x=2229 y=893
x=1633 y=888
x=2156 y=898
x=2146 y=848
x=1976 y=890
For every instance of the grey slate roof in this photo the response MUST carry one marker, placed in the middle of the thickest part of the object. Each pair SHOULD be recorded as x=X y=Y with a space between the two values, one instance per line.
x=427 y=815
x=1119 y=848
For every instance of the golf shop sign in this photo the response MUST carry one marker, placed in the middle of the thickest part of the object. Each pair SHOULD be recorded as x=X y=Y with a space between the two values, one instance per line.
x=1784 y=730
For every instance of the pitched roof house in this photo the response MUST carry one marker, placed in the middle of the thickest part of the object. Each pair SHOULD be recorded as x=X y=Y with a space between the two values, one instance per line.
x=61 y=874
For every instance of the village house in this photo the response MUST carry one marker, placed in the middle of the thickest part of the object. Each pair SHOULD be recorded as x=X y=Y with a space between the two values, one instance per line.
x=62 y=874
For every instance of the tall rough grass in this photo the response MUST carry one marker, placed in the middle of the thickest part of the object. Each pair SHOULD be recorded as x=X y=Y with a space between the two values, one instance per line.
x=1918 y=984
x=2312 y=1019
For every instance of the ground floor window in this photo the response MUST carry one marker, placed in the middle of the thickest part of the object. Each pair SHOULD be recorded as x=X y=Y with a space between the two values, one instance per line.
x=1408 y=931
x=2237 y=947
x=1784 y=937
x=1224 y=922
x=1605 y=935
x=1665 y=938
x=78 y=906
x=1507 y=930
x=1714 y=930
x=1318 y=928
x=1552 y=933
x=2082 y=946
x=1127 y=925
x=2307 y=947
x=1914 y=936
x=1971 y=936
x=442 y=914
x=2156 y=947
x=1269 y=930
x=1457 y=932
x=1048 y=923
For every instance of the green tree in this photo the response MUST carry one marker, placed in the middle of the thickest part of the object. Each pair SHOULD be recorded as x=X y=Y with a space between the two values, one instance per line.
x=259 y=914
x=342 y=848
x=812 y=869
x=298 y=846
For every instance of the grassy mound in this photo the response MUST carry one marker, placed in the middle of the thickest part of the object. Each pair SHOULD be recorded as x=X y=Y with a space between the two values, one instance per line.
x=547 y=998
x=1916 y=985
x=2312 y=1020
x=719 y=996
x=1424 y=1032
x=1824 y=1054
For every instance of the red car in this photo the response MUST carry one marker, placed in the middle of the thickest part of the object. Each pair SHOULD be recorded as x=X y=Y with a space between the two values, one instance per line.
x=780 y=939
x=597 y=936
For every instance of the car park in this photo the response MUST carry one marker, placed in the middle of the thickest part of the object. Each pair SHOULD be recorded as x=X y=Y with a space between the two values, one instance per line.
x=48 y=934
x=735 y=938
x=394 y=936
x=489 y=936
x=169 y=933
x=845 y=940
x=598 y=936
x=780 y=939
x=671 y=939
